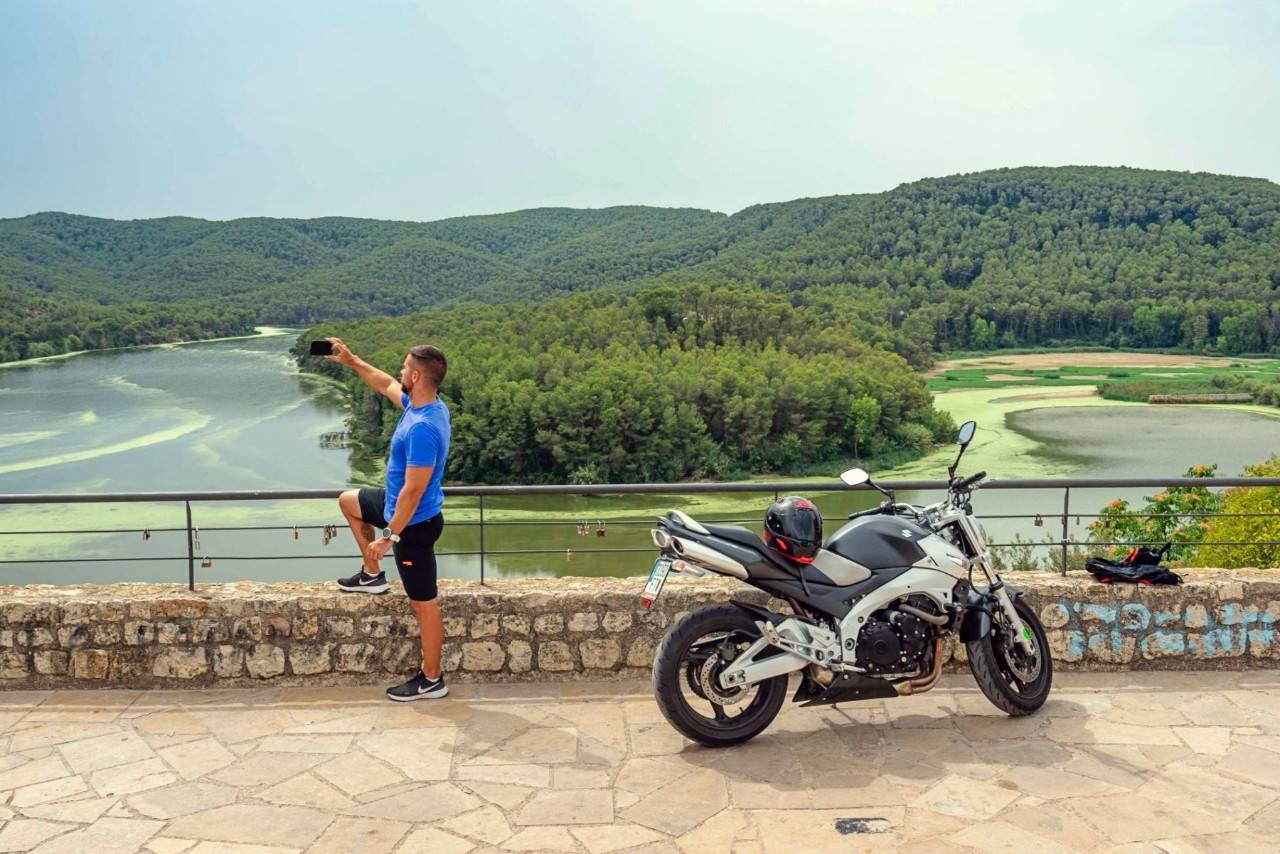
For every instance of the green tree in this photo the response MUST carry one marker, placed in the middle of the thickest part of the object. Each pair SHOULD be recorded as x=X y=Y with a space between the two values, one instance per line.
x=1255 y=531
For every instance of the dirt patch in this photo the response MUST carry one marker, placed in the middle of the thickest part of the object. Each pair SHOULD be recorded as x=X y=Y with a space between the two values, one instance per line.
x=1048 y=395
x=1010 y=378
x=1045 y=361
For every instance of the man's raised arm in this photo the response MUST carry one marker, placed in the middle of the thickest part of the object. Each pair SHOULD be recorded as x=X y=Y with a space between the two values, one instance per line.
x=375 y=379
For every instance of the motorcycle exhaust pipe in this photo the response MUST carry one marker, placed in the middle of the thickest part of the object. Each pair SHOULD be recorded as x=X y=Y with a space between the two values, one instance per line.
x=708 y=557
x=924 y=683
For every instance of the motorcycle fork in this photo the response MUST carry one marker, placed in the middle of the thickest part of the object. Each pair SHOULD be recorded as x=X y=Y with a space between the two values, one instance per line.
x=997 y=589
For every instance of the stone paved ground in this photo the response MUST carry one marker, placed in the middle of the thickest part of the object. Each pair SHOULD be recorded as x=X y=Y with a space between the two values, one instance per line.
x=1172 y=762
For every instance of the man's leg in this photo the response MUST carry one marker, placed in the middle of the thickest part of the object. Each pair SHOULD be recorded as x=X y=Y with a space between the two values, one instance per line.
x=349 y=504
x=431 y=629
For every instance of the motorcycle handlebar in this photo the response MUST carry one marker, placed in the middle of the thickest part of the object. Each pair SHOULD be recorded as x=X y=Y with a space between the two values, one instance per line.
x=970 y=480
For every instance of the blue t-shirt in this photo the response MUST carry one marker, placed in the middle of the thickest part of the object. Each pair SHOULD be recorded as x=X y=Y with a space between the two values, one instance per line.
x=421 y=439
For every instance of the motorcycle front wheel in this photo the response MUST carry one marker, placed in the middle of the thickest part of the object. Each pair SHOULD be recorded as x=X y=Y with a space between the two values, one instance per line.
x=686 y=665
x=1014 y=681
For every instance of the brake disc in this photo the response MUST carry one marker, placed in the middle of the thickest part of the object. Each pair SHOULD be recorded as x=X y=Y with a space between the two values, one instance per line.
x=711 y=690
x=1025 y=666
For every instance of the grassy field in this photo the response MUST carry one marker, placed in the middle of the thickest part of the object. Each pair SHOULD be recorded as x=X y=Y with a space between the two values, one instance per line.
x=1169 y=374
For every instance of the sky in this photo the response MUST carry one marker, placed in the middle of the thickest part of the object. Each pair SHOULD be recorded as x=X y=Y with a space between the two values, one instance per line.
x=425 y=110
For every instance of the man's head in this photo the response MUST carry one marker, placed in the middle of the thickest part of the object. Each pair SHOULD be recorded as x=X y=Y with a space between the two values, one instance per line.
x=423 y=364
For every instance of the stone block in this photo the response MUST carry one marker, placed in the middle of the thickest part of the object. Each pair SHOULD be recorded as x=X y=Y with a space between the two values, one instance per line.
x=402 y=656
x=600 y=653
x=515 y=624
x=484 y=655
x=90 y=663
x=1054 y=616
x=137 y=633
x=450 y=655
x=180 y=663
x=40 y=636
x=306 y=626
x=1197 y=617
x=210 y=631
x=340 y=627
x=309 y=659
x=274 y=628
x=555 y=656
x=584 y=621
x=14 y=665
x=377 y=627
x=73 y=636
x=455 y=627
x=51 y=662
x=655 y=620
x=186 y=608
x=549 y=624
x=519 y=656
x=246 y=629
x=616 y=621
x=172 y=633
x=1163 y=644
x=265 y=660
x=483 y=626
x=228 y=661
x=640 y=653
x=1066 y=645
x=106 y=634
x=357 y=658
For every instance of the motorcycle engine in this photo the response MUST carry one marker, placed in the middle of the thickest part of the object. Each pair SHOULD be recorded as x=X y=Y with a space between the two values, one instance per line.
x=895 y=642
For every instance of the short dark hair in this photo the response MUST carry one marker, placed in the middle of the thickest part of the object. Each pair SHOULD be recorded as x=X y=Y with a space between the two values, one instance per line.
x=432 y=362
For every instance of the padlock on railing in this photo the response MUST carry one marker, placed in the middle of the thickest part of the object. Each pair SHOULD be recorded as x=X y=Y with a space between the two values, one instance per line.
x=295 y=532
x=1039 y=521
x=195 y=539
x=206 y=562
x=146 y=534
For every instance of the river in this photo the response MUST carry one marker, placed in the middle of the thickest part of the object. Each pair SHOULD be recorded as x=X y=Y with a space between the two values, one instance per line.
x=237 y=415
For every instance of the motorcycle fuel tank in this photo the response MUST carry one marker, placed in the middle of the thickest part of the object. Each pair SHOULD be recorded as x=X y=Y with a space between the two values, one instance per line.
x=879 y=542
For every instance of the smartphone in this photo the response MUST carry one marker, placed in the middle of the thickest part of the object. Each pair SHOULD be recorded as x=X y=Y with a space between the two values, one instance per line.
x=321 y=348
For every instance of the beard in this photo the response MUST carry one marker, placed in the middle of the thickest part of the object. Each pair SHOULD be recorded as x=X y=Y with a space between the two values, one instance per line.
x=407 y=386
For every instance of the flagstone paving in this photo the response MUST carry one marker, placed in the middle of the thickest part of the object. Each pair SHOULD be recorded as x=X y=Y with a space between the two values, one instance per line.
x=1119 y=762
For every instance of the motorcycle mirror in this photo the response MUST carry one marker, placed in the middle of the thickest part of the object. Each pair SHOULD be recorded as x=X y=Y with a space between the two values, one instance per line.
x=855 y=477
x=966 y=432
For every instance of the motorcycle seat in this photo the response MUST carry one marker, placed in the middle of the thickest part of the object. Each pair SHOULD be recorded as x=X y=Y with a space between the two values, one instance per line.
x=737 y=534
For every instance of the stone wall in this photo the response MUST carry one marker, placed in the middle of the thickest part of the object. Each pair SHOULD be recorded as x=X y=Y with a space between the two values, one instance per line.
x=249 y=634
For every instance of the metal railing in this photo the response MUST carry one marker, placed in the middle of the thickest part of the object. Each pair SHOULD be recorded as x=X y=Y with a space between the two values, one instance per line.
x=481 y=492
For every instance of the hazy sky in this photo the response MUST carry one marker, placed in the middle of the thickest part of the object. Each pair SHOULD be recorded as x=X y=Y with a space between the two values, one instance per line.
x=422 y=110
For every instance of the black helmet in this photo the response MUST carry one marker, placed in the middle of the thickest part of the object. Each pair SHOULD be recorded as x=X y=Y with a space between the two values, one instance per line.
x=793 y=528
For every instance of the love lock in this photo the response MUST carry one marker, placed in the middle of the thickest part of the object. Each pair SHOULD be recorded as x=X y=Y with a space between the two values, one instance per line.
x=146 y=535
x=1039 y=521
x=295 y=532
x=600 y=528
x=195 y=539
x=206 y=562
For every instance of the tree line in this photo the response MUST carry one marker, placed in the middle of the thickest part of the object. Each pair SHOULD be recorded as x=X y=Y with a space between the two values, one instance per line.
x=674 y=383
x=32 y=327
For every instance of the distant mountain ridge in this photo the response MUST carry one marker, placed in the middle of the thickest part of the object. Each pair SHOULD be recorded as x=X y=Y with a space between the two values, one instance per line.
x=1000 y=258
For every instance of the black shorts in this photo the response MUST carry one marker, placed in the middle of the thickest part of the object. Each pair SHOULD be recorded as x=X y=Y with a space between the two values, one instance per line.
x=415 y=553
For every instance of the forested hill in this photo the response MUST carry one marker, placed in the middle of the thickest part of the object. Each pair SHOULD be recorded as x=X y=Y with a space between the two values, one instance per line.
x=1011 y=257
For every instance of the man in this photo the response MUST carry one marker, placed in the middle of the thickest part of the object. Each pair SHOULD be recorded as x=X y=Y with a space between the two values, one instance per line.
x=408 y=511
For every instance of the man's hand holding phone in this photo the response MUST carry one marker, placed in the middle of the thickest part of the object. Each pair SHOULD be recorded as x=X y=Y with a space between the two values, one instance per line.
x=333 y=350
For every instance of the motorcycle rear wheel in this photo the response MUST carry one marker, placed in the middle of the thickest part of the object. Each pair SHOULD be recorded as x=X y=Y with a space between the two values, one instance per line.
x=696 y=648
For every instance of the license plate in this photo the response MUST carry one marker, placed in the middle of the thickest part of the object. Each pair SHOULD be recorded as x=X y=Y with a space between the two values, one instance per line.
x=657 y=576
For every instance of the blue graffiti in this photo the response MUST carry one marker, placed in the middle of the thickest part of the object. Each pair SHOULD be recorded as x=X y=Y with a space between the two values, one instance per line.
x=1119 y=631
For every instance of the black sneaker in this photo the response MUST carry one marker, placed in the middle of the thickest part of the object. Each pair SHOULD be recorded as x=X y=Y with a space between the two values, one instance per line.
x=419 y=688
x=363 y=582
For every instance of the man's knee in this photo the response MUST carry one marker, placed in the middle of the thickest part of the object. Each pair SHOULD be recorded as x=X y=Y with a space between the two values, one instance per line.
x=349 y=504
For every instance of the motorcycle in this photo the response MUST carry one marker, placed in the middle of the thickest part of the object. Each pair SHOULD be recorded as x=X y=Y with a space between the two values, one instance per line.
x=868 y=616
